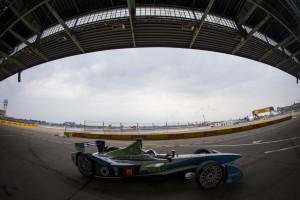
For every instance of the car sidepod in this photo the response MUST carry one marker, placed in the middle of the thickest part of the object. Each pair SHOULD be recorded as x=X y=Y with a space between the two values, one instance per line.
x=121 y=171
x=107 y=168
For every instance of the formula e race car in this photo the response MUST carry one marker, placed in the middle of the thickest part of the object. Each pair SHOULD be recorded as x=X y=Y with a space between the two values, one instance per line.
x=207 y=168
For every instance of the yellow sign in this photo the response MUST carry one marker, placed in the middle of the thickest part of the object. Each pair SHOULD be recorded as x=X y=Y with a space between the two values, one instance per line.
x=263 y=110
x=17 y=123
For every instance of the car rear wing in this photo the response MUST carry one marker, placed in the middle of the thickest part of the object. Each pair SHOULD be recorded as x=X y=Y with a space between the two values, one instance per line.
x=80 y=147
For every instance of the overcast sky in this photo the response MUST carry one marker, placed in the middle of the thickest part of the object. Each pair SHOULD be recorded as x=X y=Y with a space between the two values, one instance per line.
x=147 y=85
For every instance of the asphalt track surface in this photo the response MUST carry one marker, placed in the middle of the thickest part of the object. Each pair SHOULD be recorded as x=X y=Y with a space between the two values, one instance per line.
x=36 y=164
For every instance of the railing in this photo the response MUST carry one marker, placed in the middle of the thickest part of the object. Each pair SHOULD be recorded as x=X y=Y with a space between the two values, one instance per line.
x=137 y=128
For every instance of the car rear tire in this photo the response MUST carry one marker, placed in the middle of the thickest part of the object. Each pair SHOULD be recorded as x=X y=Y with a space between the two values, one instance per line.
x=200 y=151
x=85 y=165
x=209 y=174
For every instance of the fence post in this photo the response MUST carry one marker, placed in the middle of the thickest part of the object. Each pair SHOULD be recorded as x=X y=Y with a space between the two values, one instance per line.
x=153 y=127
x=167 y=127
x=103 y=127
x=121 y=128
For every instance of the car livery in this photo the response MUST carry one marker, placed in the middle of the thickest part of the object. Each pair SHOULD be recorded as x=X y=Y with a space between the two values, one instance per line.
x=207 y=168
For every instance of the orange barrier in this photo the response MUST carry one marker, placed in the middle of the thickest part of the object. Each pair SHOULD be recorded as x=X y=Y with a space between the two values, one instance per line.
x=17 y=123
x=172 y=136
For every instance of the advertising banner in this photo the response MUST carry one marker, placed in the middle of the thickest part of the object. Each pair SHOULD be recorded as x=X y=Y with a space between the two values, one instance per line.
x=263 y=110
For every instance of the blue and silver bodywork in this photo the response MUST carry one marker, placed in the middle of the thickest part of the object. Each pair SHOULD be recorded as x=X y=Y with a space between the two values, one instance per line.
x=135 y=161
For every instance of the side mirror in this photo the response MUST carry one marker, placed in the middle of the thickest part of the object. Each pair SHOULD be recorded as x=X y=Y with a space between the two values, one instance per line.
x=169 y=158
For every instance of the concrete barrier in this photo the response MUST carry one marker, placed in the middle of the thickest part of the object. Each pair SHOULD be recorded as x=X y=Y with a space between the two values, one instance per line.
x=182 y=135
x=17 y=123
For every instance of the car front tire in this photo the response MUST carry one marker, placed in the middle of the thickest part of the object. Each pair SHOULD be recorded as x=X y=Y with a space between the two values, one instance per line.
x=209 y=174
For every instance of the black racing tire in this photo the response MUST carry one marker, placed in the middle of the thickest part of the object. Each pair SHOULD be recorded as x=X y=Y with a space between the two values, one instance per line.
x=209 y=174
x=85 y=165
x=200 y=151
x=111 y=149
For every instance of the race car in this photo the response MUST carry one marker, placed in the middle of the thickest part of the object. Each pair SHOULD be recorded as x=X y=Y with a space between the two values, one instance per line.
x=207 y=168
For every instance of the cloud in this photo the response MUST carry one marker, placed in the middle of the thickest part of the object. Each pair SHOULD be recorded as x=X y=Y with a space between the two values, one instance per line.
x=147 y=85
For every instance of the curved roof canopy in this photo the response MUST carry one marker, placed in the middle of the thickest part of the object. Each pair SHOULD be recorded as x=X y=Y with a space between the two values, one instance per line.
x=37 y=31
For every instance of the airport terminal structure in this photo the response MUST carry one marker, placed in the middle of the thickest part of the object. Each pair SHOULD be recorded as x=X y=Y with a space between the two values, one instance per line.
x=37 y=31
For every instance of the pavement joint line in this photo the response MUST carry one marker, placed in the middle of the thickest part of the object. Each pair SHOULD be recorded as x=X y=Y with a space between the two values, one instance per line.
x=6 y=135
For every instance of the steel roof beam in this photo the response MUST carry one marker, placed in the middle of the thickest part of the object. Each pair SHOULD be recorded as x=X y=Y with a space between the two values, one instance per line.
x=4 y=55
x=200 y=24
x=282 y=62
x=244 y=40
x=283 y=42
x=6 y=45
x=35 y=50
x=275 y=17
x=289 y=43
x=228 y=2
x=296 y=71
x=6 y=71
x=65 y=26
x=295 y=54
x=23 y=15
x=26 y=22
x=246 y=11
x=292 y=68
x=287 y=59
x=132 y=10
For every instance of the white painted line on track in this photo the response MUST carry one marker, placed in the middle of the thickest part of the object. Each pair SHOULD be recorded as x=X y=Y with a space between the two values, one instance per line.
x=166 y=145
x=250 y=144
x=256 y=142
x=67 y=143
x=185 y=145
x=282 y=149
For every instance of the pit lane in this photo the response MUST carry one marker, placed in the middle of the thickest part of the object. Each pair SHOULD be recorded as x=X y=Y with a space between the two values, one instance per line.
x=36 y=164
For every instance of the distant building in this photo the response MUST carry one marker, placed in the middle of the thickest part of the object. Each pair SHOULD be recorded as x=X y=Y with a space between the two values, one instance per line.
x=294 y=107
x=216 y=124
x=2 y=113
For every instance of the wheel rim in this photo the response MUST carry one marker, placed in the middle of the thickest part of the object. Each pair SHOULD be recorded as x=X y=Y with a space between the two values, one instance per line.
x=84 y=165
x=210 y=176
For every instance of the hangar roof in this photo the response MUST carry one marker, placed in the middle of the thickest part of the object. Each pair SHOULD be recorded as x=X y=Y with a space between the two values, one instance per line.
x=33 y=32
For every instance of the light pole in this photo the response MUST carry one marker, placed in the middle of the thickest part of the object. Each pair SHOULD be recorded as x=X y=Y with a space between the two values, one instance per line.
x=5 y=103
